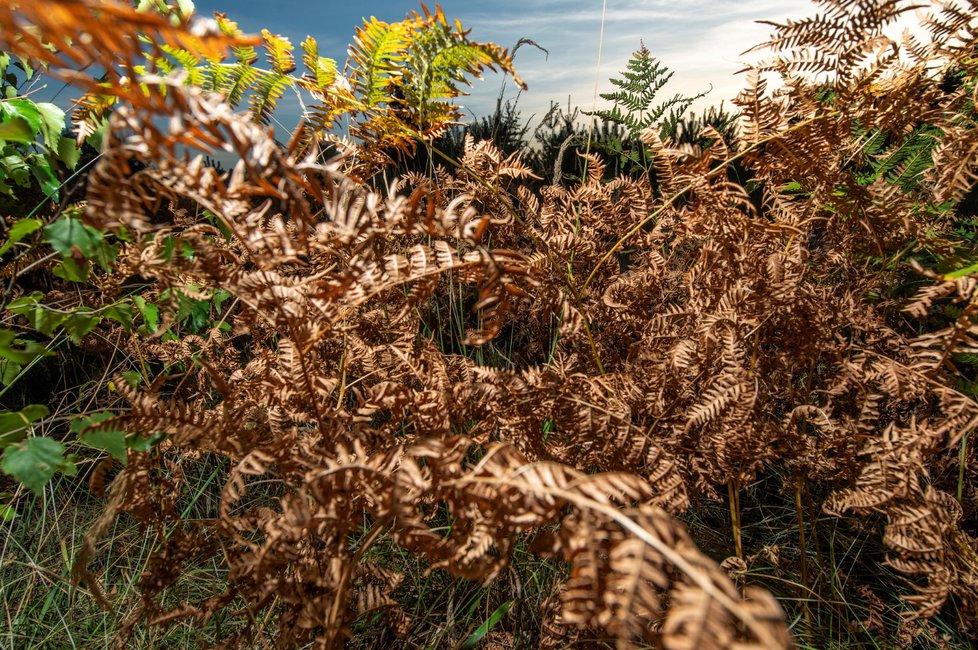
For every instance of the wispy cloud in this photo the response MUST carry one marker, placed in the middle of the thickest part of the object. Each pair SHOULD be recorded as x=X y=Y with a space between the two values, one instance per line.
x=701 y=40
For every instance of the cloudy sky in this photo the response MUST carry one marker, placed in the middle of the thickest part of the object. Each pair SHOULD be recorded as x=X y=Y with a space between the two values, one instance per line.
x=701 y=40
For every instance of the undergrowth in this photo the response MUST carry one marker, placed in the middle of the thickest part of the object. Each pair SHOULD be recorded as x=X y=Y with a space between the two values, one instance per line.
x=701 y=387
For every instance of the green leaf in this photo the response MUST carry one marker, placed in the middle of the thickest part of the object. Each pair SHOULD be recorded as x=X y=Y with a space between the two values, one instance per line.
x=494 y=618
x=110 y=440
x=97 y=137
x=9 y=371
x=14 y=424
x=69 y=152
x=142 y=444
x=70 y=270
x=149 y=312
x=52 y=124
x=19 y=351
x=41 y=170
x=35 y=461
x=15 y=129
x=22 y=305
x=121 y=313
x=79 y=324
x=18 y=231
x=25 y=65
x=23 y=109
x=68 y=232
x=43 y=320
x=7 y=513
x=16 y=169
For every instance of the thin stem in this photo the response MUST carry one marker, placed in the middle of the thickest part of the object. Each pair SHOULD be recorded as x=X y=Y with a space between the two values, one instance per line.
x=733 y=492
x=799 y=486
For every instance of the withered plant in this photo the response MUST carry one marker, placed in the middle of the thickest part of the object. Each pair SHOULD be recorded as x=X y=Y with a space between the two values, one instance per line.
x=680 y=335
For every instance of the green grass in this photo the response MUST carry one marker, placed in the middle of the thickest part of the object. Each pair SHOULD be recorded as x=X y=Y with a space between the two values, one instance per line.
x=42 y=609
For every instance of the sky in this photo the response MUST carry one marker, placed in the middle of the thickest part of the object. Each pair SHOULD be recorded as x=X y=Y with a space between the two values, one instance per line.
x=700 y=40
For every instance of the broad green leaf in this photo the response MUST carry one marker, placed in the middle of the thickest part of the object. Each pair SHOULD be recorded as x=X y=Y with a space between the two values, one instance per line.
x=77 y=322
x=68 y=232
x=46 y=178
x=23 y=109
x=9 y=371
x=14 y=424
x=97 y=137
x=20 y=351
x=70 y=270
x=112 y=441
x=141 y=444
x=18 y=231
x=121 y=313
x=69 y=152
x=7 y=513
x=34 y=461
x=41 y=319
x=149 y=312
x=15 y=129
x=16 y=169
x=52 y=124
x=25 y=65
x=80 y=323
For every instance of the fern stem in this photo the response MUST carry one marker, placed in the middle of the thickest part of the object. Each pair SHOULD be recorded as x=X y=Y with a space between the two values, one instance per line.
x=962 y=458
x=733 y=491
x=799 y=486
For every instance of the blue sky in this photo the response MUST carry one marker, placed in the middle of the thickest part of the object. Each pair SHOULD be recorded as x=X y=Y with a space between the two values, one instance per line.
x=701 y=40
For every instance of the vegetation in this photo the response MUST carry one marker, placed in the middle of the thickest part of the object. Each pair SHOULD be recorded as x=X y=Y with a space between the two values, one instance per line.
x=717 y=394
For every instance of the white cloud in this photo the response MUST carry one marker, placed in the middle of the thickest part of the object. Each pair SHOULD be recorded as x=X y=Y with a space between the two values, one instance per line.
x=700 y=40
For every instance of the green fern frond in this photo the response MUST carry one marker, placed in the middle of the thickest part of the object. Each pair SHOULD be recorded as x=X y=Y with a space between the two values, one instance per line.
x=901 y=161
x=266 y=91
x=247 y=54
x=321 y=69
x=278 y=52
x=239 y=78
x=187 y=62
x=633 y=105
x=441 y=58
x=164 y=66
x=377 y=53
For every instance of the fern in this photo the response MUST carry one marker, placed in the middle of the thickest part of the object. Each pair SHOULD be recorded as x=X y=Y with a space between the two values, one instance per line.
x=378 y=51
x=266 y=91
x=902 y=161
x=633 y=105
x=322 y=70
x=278 y=50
